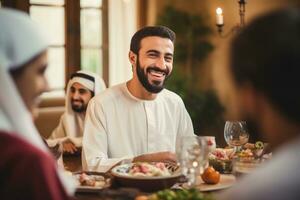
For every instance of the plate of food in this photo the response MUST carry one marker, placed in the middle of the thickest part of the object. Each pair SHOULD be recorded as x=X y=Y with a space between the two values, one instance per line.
x=91 y=181
x=146 y=176
x=221 y=159
x=226 y=181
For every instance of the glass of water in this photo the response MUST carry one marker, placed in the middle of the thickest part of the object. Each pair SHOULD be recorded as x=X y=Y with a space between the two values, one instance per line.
x=192 y=156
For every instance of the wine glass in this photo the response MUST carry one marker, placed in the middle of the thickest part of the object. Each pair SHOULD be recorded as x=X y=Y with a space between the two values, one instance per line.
x=236 y=134
x=192 y=155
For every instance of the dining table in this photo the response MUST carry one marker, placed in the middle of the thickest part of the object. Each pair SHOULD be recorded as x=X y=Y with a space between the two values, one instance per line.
x=73 y=164
x=115 y=191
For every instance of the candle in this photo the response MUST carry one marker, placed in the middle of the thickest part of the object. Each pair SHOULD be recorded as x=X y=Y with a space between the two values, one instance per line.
x=219 y=16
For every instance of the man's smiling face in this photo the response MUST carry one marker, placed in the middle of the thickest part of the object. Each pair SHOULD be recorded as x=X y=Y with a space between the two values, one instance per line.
x=154 y=62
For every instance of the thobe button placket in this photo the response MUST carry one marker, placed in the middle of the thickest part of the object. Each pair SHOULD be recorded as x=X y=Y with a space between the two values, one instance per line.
x=151 y=126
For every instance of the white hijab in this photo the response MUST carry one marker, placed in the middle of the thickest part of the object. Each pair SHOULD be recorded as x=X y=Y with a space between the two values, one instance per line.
x=71 y=120
x=20 y=41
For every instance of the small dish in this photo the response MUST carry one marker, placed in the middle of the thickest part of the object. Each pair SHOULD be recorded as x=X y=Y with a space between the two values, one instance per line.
x=226 y=181
x=102 y=181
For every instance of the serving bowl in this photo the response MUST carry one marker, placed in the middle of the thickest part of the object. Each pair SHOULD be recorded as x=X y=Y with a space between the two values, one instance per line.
x=123 y=178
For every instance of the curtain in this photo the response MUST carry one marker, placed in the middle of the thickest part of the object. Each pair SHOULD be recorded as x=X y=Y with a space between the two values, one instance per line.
x=122 y=25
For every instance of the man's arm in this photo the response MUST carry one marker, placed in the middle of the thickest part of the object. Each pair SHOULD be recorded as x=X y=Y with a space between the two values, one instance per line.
x=165 y=156
x=59 y=135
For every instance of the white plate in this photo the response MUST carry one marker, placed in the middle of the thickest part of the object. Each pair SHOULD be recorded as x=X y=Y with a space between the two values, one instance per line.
x=226 y=181
x=84 y=188
x=88 y=188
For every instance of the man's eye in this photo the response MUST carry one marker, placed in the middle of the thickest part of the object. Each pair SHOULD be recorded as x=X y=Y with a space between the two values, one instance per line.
x=42 y=70
x=152 y=55
x=82 y=91
x=168 y=59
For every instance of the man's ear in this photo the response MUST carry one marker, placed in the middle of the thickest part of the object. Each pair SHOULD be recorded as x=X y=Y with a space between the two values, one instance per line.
x=132 y=58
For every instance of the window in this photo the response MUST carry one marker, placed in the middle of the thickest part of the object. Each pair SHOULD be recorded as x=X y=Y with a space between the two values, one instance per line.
x=91 y=35
x=50 y=15
x=77 y=32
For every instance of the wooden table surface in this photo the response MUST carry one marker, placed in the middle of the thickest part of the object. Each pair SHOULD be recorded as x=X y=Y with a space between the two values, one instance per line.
x=73 y=164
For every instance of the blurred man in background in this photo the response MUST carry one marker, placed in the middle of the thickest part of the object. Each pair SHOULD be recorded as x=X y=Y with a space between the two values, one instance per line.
x=81 y=88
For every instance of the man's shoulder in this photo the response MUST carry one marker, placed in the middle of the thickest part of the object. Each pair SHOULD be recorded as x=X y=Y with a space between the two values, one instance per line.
x=171 y=96
x=110 y=94
x=14 y=145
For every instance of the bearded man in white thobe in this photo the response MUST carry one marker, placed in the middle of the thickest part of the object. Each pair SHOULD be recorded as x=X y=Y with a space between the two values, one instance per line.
x=81 y=88
x=138 y=120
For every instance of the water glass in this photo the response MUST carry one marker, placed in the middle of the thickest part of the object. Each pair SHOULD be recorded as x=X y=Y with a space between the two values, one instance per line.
x=192 y=156
x=244 y=166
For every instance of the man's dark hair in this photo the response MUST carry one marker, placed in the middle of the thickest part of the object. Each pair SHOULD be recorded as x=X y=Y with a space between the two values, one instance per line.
x=266 y=54
x=160 y=31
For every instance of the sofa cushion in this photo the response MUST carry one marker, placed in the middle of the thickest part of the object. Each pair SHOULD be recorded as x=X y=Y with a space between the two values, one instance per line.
x=48 y=119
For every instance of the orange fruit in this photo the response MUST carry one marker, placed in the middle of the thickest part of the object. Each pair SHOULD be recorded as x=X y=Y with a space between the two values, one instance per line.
x=210 y=176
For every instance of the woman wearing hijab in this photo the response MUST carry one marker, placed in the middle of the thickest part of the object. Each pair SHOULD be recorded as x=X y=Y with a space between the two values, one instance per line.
x=27 y=170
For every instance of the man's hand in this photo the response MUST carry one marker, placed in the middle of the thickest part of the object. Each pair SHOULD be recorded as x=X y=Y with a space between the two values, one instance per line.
x=69 y=147
x=165 y=156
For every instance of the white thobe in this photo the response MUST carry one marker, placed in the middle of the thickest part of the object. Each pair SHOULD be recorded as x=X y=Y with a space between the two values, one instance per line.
x=61 y=132
x=70 y=126
x=119 y=125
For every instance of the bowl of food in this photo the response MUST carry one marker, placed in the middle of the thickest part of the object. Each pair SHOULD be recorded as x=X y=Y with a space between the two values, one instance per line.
x=146 y=176
x=221 y=160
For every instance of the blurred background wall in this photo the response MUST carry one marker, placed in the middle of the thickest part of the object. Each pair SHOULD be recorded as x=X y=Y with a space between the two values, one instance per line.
x=95 y=35
x=196 y=86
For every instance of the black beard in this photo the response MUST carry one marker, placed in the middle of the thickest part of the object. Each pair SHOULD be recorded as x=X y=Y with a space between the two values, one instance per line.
x=78 y=109
x=142 y=76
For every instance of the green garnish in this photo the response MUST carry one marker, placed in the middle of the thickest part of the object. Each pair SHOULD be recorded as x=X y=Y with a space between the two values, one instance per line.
x=190 y=194
x=259 y=145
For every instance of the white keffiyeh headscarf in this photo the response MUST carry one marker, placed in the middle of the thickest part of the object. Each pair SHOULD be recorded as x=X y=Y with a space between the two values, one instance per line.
x=71 y=124
x=20 y=41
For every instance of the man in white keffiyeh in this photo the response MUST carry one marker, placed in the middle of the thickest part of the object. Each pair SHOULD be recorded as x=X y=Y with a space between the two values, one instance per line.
x=81 y=88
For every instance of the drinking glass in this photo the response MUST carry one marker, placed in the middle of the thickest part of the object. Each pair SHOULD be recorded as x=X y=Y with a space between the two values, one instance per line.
x=192 y=156
x=242 y=167
x=236 y=134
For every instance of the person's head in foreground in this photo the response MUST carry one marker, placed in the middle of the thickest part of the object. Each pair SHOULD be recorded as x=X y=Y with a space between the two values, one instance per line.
x=259 y=84
x=151 y=57
x=262 y=73
x=23 y=61
x=82 y=86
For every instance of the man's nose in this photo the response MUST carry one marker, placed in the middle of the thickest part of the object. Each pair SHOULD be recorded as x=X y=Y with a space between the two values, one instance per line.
x=76 y=95
x=161 y=63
